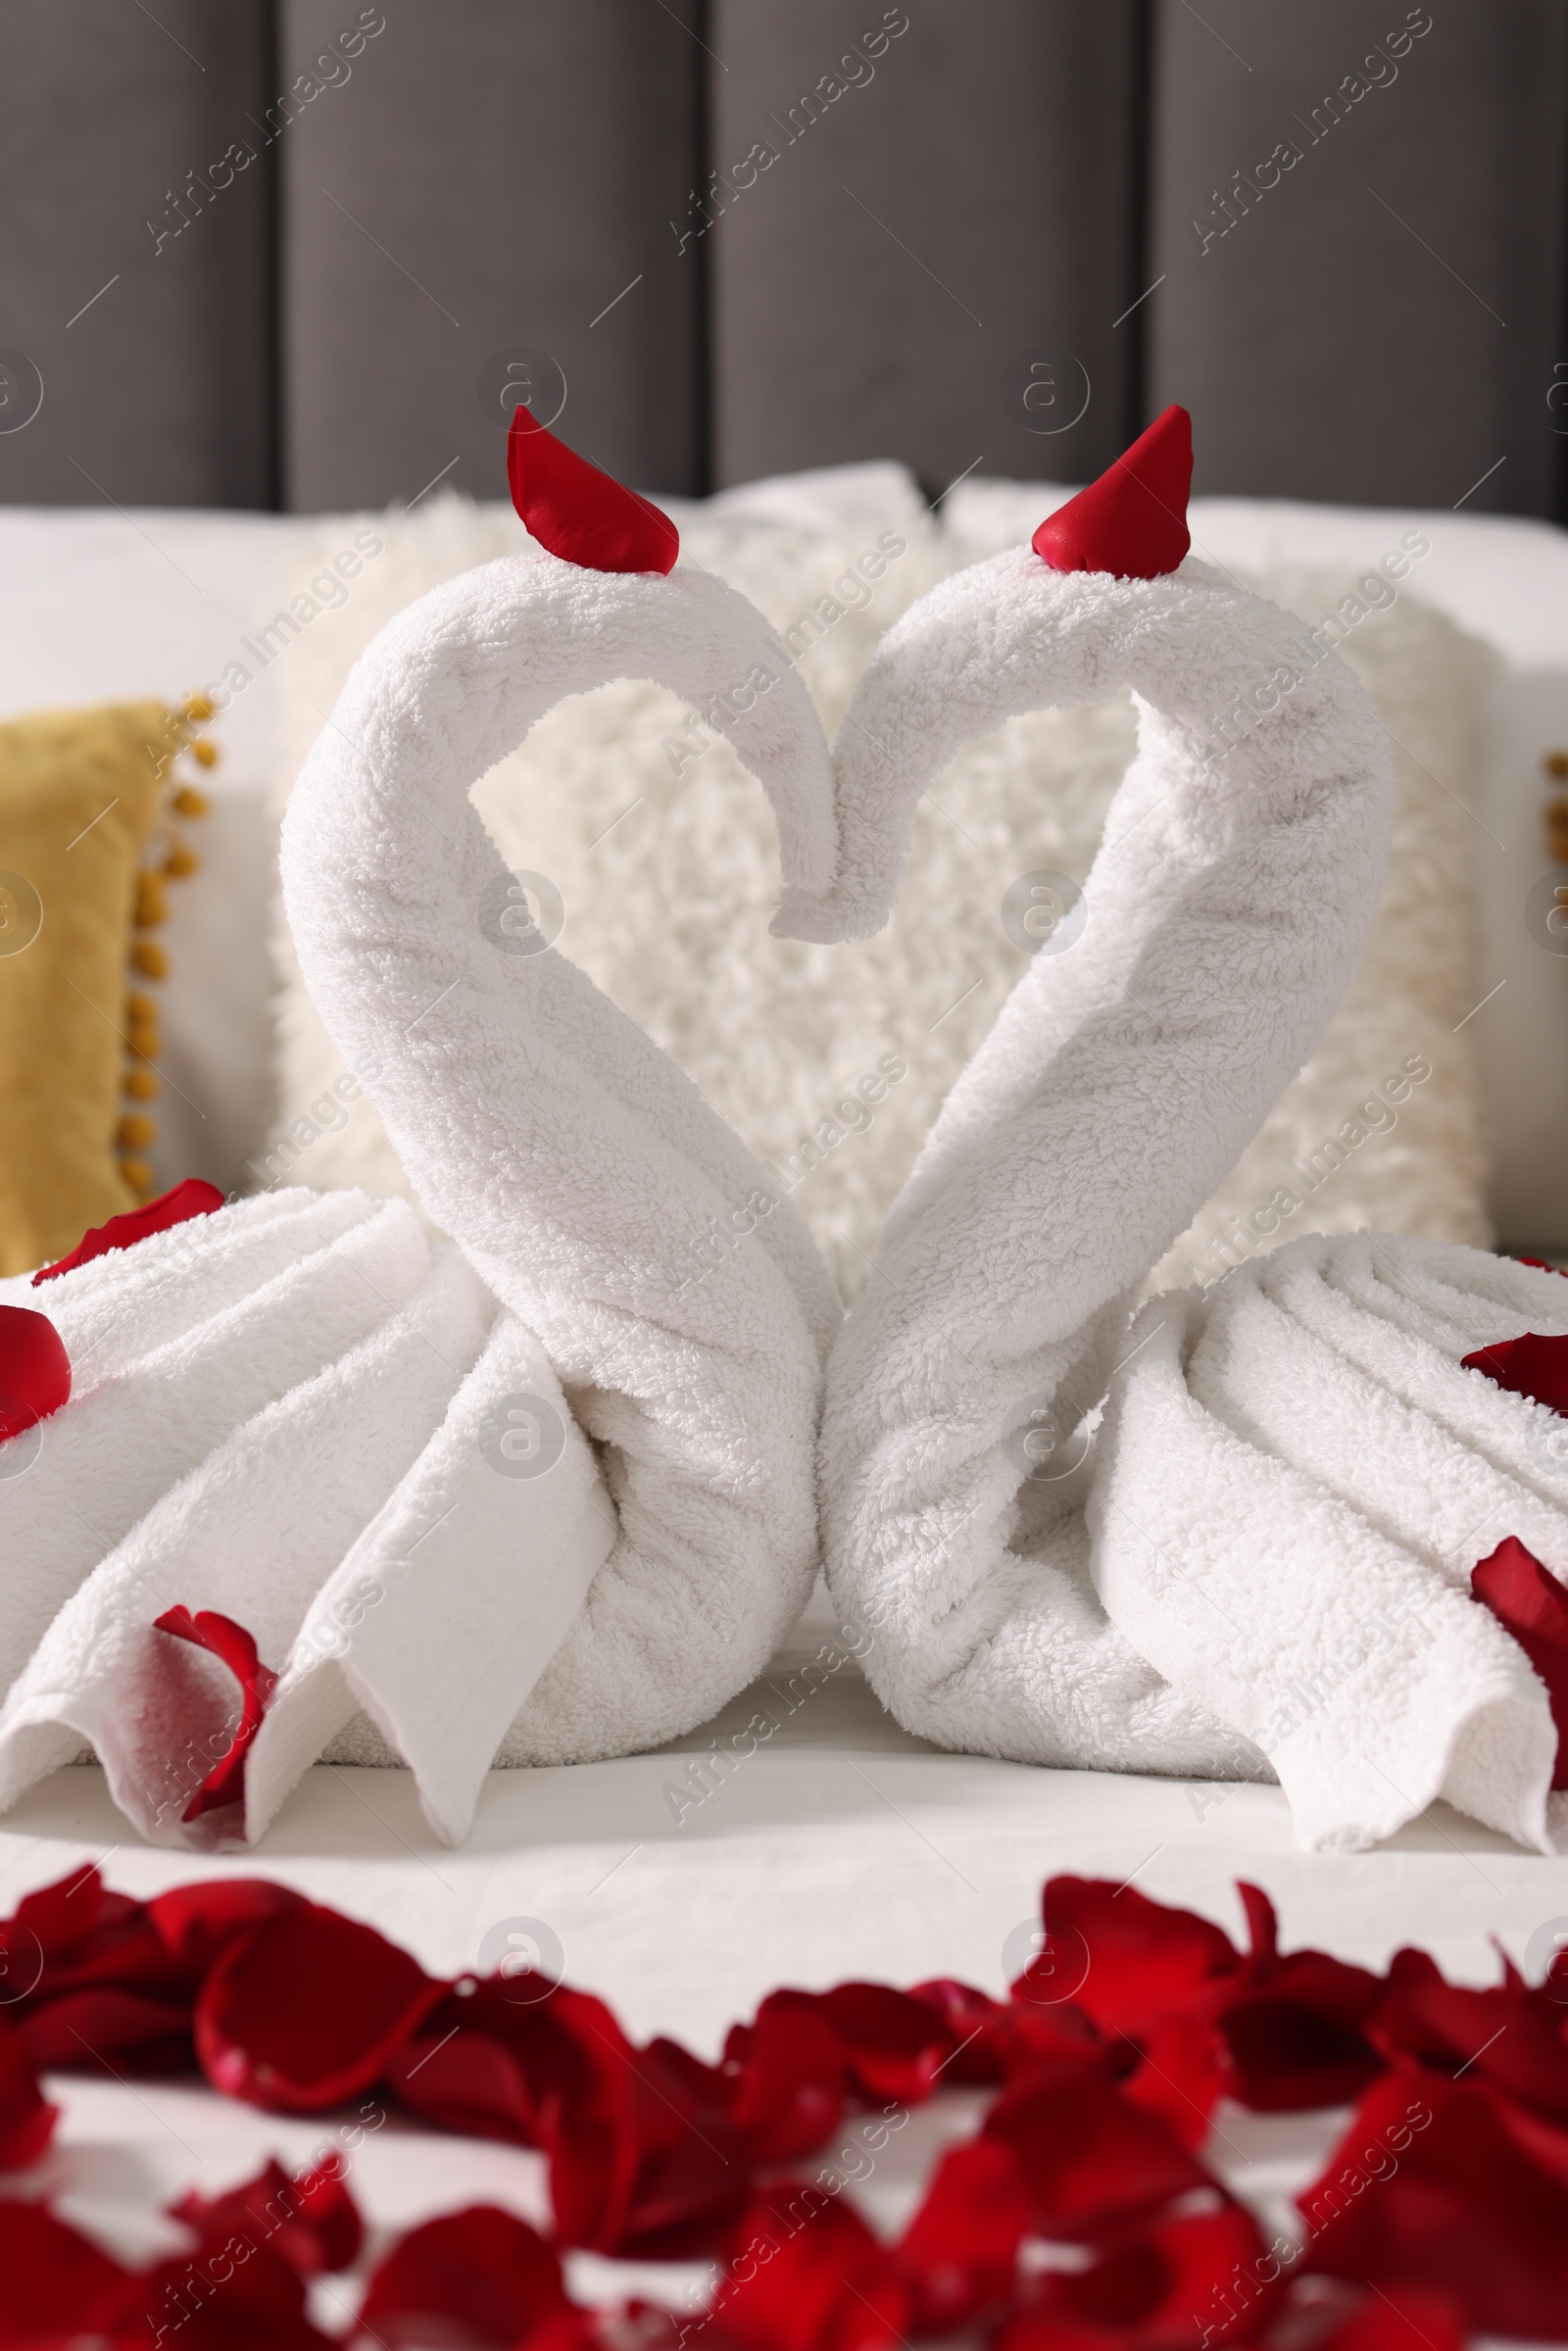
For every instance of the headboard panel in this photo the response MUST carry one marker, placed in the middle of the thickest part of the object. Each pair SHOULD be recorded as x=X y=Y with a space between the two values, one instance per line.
x=494 y=179
x=135 y=263
x=1381 y=324
x=283 y=251
x=949 y=238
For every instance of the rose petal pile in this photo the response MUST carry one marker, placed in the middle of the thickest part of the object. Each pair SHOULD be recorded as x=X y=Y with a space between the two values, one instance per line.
x=1080 y=2217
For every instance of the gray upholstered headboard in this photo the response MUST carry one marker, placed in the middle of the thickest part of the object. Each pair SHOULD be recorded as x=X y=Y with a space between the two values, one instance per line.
x=284 y=252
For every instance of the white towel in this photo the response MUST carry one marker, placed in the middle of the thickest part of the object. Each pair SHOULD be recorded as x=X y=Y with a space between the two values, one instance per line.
x=682 y=1303
x=1243 y=859
x=277 y=1414
x=302 y=1414
x=1295 y=1480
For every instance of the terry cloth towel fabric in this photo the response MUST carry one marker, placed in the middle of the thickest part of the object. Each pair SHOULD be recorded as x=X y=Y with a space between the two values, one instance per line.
x=1217 y=929
x=1295 y=1477
x=681 y=1301
x=298 y=1414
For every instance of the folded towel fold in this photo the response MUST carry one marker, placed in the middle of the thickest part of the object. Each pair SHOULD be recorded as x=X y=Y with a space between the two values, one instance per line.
x=1295 y=1481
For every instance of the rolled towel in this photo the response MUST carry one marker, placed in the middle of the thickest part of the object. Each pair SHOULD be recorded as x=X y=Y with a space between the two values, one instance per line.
x=1225 y=914
x=1296 y=1478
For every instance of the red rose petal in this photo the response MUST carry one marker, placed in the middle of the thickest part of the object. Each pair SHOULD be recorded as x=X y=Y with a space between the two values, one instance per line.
x=233 y=2295
x=1194 y=2277
x=76 y=1933
x=54 y=2283
x=787 y=2076
x=100 y=2026
x=1182 y=2073
x=1297 y=2041
x=1427 y=2184
x=959 y=2252
x=1398 y=2318
x=578 y=514
x=34 y=1370
x=309 y=2220
x=1141 y=1960
x=1530 y=1365
x=454 y=2074
x=178 y=1205
x=806 y=2273
x=897 y=2046
x=306 y=2010
x=1529 y=1603
x=636 y=2167
x=1294 y=2028
x=1509 y=2038
x=977 y=2025
x=1090 y=2158
x=480 y=2275
x=1132 y=520
x=229 y=1641
x=26 y=2118
x=194 y=1923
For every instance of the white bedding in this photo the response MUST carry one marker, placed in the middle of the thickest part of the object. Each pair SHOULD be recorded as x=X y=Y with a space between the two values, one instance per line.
x=842 y=1848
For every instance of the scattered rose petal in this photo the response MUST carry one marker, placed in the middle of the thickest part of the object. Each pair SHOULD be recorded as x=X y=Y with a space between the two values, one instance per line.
x=27 y=2120
x=1295 y=2032
x=1397 y=2316
x=1427 y=2184
x=1144 y=1961
x=54 y=2283
x=804 y=2272
x=786 y=2078
x=1529 y=1603
x=479 y=2276
x=1193 y=2277
x=976 y=2024
x=308 y=2218
x=34 y=1370
x=108 y=2030
x=1090 y=2159
x=194 y=1923
x=1533 y=1365
x=460 y=2071
x=178 y=1205
x=307 y=2009
x=231 y=2295
x=1509 y=2038
x=958 y=2253
x=1182 y=2071
x=229 y=1641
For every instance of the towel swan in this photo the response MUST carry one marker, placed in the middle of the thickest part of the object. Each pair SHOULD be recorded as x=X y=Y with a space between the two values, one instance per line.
x=518 y=1487
x=1260 y=1567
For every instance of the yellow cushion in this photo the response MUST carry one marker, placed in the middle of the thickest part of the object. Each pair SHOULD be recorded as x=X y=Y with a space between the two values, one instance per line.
x=80 y=792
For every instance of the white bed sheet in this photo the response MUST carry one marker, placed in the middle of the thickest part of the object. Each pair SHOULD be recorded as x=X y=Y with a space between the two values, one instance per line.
x=842 y=1848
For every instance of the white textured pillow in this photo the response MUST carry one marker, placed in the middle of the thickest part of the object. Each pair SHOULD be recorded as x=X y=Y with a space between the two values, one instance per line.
x=664 y=857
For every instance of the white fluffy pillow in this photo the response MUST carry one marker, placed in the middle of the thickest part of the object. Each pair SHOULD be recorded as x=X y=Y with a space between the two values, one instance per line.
x=663 y=852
